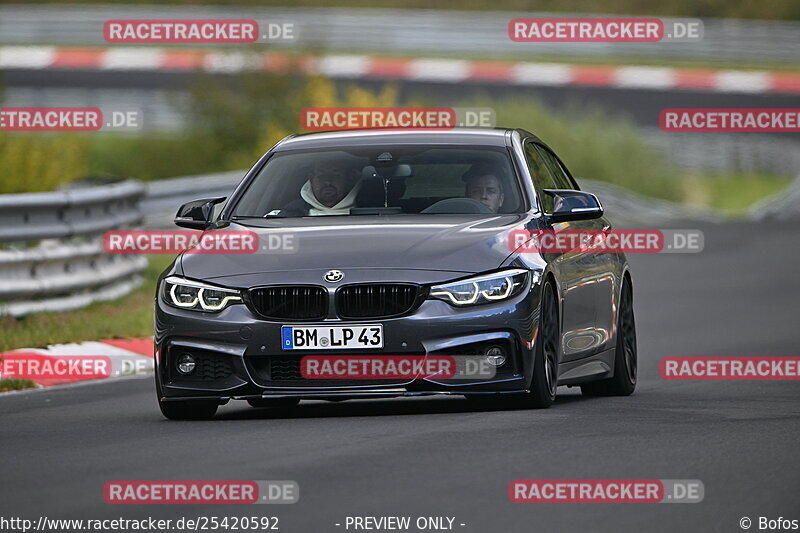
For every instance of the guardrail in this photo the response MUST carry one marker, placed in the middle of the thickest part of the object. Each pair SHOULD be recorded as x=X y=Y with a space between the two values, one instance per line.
x=769 y=153
x=51 y=252
x=403 y=30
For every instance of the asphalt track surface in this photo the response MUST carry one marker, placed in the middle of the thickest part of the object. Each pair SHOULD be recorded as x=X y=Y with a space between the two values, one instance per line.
x=443 y=457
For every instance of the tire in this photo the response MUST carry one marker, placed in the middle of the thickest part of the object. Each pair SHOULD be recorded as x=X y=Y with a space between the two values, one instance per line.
x=545 y=370
x=273 y=402
x=185 y=410
x=189 y=409
x=623 y=383
x=544 y=382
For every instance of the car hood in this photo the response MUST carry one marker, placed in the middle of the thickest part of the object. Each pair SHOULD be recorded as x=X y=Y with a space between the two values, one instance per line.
x=447 y=243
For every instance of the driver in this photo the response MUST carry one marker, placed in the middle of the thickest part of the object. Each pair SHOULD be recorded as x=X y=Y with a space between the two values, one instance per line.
x=331 y=189
x=484 y=186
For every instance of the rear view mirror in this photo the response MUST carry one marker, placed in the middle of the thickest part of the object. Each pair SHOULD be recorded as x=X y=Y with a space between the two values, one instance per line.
x=387 y=172
x=197 y=213
x=569 y=204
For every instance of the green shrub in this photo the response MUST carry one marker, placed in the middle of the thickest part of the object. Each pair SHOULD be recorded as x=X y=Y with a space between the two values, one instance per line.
x=155 y=156
x=593 y=145
x=32 y=162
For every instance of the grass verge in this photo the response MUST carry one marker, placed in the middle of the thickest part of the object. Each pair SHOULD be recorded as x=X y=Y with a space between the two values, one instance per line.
x=7 y=385
x=731 y=194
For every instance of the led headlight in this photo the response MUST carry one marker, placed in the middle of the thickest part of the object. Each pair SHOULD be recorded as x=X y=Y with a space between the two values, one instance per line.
x=189 y=294
x=484 y=289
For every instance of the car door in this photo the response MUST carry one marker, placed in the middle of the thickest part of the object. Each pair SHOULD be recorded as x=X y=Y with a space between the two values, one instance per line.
x=586 y=277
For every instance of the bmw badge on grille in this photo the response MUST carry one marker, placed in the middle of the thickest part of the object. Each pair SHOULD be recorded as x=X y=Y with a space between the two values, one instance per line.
x=333 y=276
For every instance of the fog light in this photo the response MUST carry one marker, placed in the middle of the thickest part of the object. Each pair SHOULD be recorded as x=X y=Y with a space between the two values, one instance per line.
x=495 y=356
x=186 y=364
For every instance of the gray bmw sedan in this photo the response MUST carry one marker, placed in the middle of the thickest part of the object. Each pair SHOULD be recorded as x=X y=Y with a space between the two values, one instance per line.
x=395 y=263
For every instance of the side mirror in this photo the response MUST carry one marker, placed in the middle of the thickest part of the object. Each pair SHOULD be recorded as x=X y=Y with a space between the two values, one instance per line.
x=569 y=204
x=197 y=213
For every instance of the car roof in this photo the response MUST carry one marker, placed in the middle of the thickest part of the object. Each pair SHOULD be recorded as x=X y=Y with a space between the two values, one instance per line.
x=464 y=136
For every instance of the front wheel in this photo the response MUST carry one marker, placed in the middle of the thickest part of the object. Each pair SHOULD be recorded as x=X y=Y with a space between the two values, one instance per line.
x=545 y=371
x=544 y=382
x=189 y=409
x=185 y=409
x=623 y=382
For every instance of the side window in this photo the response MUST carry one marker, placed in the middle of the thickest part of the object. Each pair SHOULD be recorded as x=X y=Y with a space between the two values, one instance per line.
x=542 y=177
x=555 y=168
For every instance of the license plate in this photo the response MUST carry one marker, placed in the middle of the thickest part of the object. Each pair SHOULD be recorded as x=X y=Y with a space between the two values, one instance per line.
x=332 y=337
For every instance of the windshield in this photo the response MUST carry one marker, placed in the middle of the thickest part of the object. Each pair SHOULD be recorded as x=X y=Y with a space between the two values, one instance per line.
x=383 y=180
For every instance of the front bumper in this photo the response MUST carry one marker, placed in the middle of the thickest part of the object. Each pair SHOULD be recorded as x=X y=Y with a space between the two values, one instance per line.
x=240 y=356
